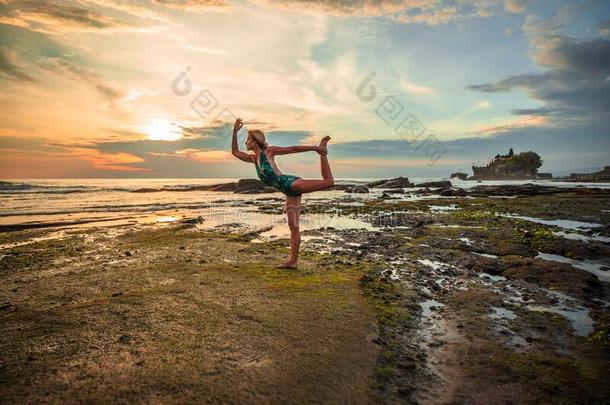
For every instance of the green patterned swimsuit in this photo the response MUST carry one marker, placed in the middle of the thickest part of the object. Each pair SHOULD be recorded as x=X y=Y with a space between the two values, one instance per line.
x=282 y=182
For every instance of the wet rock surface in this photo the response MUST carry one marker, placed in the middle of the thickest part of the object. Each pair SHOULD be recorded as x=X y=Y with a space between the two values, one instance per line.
x=357 y=189
x=438 y=184
x=452 y=299
x=528 y=189
x=470 y=312
x=398 y=182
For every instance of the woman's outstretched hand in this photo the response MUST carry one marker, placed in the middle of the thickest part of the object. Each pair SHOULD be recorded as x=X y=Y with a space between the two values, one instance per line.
x=238 y=124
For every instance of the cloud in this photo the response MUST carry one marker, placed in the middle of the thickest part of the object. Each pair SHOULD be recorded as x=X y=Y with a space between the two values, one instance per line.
x=559 y=148
x=50 y=17
x=429 y=17
x=345 y=7
x=590 y=56
x=203 y=156
x=66 y=69
x=99 y=159
x=533 y=111
x=134 y=10
x=215 y=130
x=411 y=87
x=573 y=88
x=514 y=6
x=110 y=161
x=10 y=66
x=429 y=12
x=529 y=121
x=481 y=105
x=191 y=5
x=83 y=158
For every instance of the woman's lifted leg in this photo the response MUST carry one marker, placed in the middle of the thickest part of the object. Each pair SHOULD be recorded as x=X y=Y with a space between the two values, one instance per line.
x=308 y=185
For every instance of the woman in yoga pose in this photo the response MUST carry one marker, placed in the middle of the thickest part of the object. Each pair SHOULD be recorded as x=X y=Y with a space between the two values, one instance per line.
x=292 y=186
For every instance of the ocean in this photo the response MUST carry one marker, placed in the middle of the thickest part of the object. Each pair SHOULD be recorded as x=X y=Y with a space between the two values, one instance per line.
x=98 y=202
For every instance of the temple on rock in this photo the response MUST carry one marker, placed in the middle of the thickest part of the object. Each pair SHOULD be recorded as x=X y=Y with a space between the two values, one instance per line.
x=510 y=166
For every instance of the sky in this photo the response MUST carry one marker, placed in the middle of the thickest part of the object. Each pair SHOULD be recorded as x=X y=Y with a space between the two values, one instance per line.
x=422 y=88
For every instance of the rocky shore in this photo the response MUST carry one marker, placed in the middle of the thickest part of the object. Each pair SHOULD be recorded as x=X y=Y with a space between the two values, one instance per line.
x=492 y=294
x=391 y=186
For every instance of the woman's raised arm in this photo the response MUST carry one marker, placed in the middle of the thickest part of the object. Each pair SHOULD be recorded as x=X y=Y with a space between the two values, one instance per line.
x=246 y=157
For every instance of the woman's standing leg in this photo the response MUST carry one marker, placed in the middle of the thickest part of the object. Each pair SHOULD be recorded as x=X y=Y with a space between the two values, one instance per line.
x=293 y=213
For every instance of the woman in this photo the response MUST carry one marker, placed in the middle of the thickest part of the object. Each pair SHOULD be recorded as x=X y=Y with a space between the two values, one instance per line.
x=292 y=186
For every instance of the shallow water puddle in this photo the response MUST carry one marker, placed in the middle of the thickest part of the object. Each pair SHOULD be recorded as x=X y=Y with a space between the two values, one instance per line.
x=562 y=223
x=516 y=340
x=591 y=266
x=166 y=219
x=456 y=226
x=392 y=274
x=466 y=241
x=317 y=221
x=578 y=317
x=571 y=309
x=434 y=264
x=427 y=307
x=567 y=306
x=277 y=222
x=501 y=313
x=488 y=255
x=443 y=208
x=488 y=276
x=581 y=237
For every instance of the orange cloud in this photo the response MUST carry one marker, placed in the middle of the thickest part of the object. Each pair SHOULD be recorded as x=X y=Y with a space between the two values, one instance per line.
x=110 y=161
x=530 y=121
x=49 y=17
x=205 y=156
x=191 y=5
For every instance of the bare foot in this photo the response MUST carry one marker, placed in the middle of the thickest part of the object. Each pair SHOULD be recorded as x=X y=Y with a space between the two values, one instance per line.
x=323 y=143
x=287 y=265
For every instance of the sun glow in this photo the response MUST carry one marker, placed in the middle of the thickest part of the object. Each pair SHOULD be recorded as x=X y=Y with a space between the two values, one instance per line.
x=161 y=130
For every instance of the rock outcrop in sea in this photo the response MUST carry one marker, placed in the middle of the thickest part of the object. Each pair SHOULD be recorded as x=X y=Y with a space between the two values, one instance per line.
x=602 y=175
x=524 y=165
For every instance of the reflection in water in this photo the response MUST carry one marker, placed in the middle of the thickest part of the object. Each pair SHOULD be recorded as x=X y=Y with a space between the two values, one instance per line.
x=427 y=306
x=562 y=223
x=502 y=313
x=583 y=238
x=578 y=317
x=167 y=219
x=592 y=266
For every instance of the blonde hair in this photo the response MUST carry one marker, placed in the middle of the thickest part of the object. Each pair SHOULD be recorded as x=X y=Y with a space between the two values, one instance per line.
x=259 y=137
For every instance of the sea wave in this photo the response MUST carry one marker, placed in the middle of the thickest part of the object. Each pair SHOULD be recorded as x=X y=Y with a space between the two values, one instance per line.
x=7 y=187
x=13 y=187
x=114 y=208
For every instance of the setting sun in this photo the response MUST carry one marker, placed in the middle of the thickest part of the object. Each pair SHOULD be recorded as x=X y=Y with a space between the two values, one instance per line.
x=161 y=130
